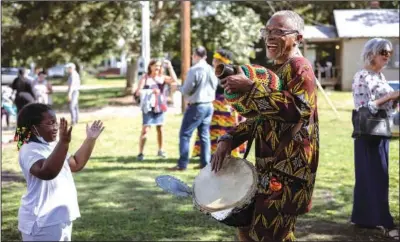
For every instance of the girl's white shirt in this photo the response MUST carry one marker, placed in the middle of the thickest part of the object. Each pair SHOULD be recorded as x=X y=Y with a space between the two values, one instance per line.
x=46 y=202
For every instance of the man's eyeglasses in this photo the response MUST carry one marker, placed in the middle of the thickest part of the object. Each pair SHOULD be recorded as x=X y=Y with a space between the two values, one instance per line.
x=276 y=32
x=386 y=53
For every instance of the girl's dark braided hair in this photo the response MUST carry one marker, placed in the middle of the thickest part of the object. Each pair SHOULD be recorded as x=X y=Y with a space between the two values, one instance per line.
x=31 y=114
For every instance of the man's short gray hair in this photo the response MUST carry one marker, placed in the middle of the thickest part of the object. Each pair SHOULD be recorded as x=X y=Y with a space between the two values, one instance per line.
x=296 y=21
x=70 y=65
x=372 y=48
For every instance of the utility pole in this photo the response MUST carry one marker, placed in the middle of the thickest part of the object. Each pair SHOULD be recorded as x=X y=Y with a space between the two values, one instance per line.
x=185 y=43
x=145 y=32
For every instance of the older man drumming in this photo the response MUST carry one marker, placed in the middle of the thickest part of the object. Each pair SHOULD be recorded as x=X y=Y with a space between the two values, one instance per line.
x=285 y=128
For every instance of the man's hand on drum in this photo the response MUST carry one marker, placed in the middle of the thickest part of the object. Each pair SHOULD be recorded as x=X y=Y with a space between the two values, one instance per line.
x=237 y=83
x=224 y=149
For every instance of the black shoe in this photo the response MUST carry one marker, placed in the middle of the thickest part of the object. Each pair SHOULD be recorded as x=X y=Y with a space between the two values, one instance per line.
x=176 y=168
x=140 y=157
x=199 y=167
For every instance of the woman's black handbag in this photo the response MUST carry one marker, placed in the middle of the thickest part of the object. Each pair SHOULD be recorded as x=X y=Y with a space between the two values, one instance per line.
x=370 y=126
x=136 y=98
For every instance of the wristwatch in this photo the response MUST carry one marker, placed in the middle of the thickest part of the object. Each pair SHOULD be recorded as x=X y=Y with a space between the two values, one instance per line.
x=224 y=137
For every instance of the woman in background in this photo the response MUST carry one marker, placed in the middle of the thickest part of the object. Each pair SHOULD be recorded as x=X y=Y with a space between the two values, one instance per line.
x=154 y=103
x=224 y=116
x=371 y=157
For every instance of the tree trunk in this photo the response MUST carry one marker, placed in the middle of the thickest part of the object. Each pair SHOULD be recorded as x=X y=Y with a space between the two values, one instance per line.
x=131 y=75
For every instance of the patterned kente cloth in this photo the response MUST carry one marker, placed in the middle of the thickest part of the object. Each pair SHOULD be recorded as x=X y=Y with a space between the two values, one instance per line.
x=224 y=119
x=286 y=183
x=258 y=74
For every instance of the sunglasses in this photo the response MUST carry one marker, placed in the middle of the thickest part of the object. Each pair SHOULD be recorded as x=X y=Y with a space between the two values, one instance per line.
x=386 y=53
x=276 y=32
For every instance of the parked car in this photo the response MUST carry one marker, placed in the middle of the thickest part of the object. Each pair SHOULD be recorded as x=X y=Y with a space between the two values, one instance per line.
x=56 y=71
x=8 y=74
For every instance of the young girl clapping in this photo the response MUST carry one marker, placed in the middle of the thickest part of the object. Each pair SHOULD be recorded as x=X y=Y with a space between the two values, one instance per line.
x=50 y=204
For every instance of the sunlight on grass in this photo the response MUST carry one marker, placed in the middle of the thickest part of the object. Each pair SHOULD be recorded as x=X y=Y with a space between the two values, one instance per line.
x=119 y=199
x=88 y=79
x=88 y=98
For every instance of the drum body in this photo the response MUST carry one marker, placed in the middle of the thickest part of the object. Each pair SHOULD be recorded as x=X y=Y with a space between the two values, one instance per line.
x=235 y=217
x=227 y=196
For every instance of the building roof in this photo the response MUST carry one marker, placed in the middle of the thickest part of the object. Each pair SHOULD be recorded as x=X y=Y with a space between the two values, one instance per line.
x=367 y=23
x=319 y=32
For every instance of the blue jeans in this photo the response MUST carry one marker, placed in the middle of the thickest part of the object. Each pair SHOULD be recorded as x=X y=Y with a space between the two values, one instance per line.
x=196 y=116
x=74 y=107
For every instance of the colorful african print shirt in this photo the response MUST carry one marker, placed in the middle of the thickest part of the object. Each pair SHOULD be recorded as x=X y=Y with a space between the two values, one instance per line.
x=287 y=180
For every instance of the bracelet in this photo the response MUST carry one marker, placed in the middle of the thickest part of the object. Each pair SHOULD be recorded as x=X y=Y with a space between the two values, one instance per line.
x=224 y=137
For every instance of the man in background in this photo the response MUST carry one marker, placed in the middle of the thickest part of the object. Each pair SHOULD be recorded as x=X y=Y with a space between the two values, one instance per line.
x=74 y=83
x=199 y=90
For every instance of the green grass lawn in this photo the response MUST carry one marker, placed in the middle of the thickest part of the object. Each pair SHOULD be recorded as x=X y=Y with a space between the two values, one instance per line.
x=88 y=79
x=119 y=200
x=89 y=99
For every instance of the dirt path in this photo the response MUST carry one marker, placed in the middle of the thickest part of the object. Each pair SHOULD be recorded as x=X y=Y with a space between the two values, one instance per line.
x=64 y=88
x=7 y=134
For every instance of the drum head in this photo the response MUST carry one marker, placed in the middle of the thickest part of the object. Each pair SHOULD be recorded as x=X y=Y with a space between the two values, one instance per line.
x=232 y=186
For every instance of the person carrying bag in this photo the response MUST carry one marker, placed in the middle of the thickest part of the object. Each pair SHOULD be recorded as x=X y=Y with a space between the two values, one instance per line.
x=374 y=102
x=153 y=102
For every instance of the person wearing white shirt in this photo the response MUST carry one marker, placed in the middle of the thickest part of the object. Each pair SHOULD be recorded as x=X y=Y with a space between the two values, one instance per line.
x=29 y=76
x=74 y=83
x=42 y=89
x=50 y=204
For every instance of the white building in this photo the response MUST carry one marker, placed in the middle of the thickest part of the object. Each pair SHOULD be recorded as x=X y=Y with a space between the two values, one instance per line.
x=342 y=44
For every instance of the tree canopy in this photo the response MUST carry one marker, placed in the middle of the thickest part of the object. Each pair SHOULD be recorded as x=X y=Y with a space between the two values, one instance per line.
x=55 y=32
x=52 y=32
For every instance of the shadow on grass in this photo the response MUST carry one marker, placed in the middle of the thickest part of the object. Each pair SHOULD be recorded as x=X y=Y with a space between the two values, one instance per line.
x=121 y=168
x=133 y=160
x=123 y=203
x=311 y=230
x=138 y=210
x=317 y=225
x=143 y=212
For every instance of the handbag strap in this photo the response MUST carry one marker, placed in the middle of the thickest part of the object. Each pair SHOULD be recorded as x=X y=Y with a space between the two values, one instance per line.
x=285 y=139
x=145 y=80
